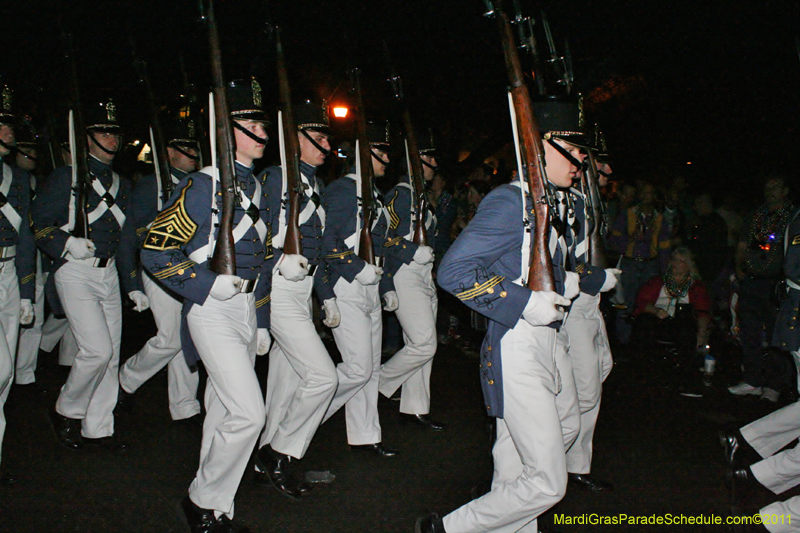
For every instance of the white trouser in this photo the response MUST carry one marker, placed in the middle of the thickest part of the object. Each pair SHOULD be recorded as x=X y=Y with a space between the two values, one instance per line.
x=530 y=475
x=164 y=350
x=779 y=472
x=591 y=364
x=30 y=337
x=302 y=378
x=91 y=300
x=567 y=398
x=410 y=367
x=358 y=338
x=225 y=335
x=783 y=517
x=9 y=325
x=55 y=330
x=771 y=433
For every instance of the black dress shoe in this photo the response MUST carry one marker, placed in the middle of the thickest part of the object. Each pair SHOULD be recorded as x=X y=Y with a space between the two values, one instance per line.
x=429 y=524
x=226 y=525
x=738 y=452
x=124 y=402
x=197 y=519
x=111 y=444
x=741 y=483
x=588 y=482
x=272 y=468
x=376 y=448
x=423 y=421
x=68 y=430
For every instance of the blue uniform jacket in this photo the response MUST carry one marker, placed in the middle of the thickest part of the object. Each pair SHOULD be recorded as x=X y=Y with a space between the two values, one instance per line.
x=786 y=334
x=592 y=277
x=51 y=212
x=19 y=198
x=480 y=268
x=310 y=231
x=398 y=204
x=341 y=209
x=144 y=206
x=183 y=226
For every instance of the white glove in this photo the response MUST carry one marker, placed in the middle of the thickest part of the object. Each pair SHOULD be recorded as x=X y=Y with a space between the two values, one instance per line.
x=225 y=287
x=369 y=275
x=26 y=313
x=263 y=341
x=293 y=267
x=140 y=300
x=541 y=309
x=572 y=285
x=611 y=279
x=332 y=314
x=391 y=301
x=423 y=255
x=80 y=248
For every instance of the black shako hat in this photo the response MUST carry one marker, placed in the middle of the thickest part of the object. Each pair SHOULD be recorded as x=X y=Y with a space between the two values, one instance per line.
x=311 y=116
x=6 y=113
x=245 y=101
x=180 y=130
x=102 y=116
x=425 y=143
x=560 y=117
x=25 y=133
x=378 y=135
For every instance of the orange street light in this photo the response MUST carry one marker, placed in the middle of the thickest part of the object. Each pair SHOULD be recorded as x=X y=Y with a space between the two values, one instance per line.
x=340 y=112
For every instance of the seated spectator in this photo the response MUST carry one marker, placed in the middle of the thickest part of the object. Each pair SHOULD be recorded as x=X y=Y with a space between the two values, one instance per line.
x=675 y=308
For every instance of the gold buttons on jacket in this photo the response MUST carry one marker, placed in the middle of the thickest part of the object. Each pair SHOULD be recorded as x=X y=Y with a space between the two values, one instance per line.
x=192 y=275
x=491 y=382
x=180 y=272
x=503 y=294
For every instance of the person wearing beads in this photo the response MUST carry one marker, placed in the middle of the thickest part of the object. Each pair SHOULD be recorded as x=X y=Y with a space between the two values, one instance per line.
x=17 y=260
x=164 y=349
x=225 y=317
x=87 y=282
x=759 y=257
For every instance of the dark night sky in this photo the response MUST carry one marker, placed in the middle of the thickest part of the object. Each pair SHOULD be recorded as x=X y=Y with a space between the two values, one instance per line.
x=713 y=82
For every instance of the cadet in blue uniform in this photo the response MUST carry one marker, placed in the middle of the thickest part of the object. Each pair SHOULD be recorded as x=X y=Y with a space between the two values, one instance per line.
x=589 y=348
x=486 y=269
x=29 y=338
x=225 y=316
x=87 y=282
x=358 y=297
x=779 y=470
x=164 y=349
x=17 y=258
x=302 y=378
x=410 y=367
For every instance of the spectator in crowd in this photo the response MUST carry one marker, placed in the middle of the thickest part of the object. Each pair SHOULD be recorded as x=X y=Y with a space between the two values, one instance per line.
x=707 y=239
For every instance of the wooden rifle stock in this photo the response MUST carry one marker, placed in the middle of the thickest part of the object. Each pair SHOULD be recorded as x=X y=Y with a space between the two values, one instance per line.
x=365 y=249
x=80 y=159
x=159 y=149
x=420 y=232
x=540 y=273
x=596 y=252
x=291 y=243
x=223 y=261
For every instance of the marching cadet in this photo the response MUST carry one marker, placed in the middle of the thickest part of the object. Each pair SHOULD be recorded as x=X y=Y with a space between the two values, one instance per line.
x=356 y=286
x=302 y=378
x=589 y=348
x=29 y=338
x=485 y=268
x=164 y=349
x=17 y=260
x=410 y=367
x=225 y=316
x=87 y=282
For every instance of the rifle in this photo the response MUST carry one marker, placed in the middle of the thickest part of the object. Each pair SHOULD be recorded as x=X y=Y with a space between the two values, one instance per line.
x=540 y=273
x=81 y=179
x=596 y=252
x=190 y=91
x=561 y=67
x=364 y=166
x=420 y=233
x=224 y=259
x=160 y=158
x=290 y=153
x=528 y=42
